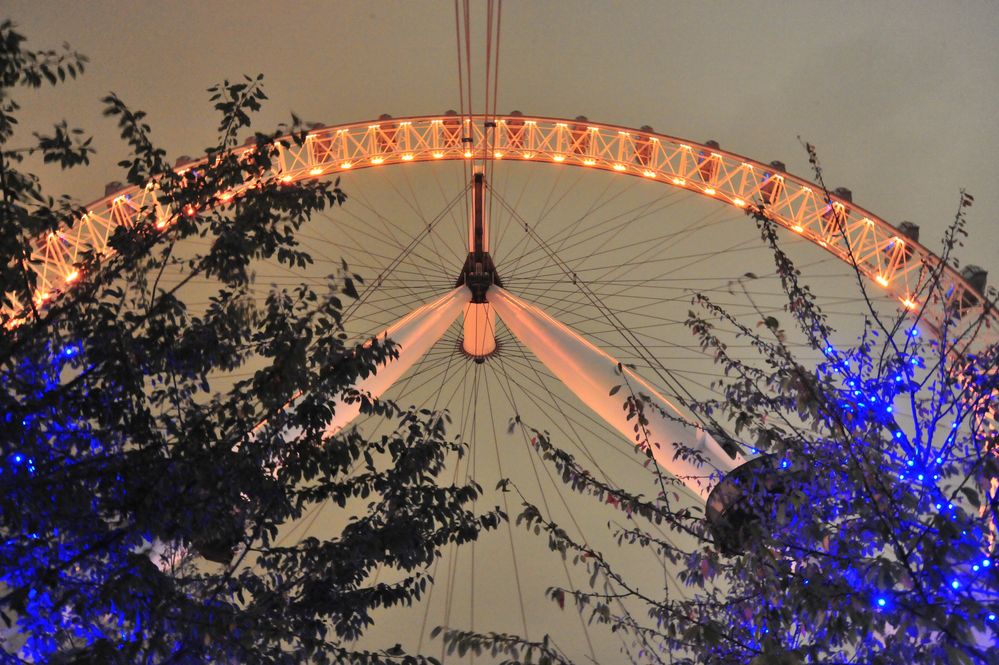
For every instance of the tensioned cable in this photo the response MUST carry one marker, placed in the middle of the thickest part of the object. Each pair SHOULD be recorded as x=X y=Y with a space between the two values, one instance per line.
x=553 y=402
x=423 y=625
x=506 y=509
x=419 y=213
x=486 y=134
x=466 y=409
x=471 y=477
x=509 y=393
x=373 y=285
x=492 y=69
x=460 y=60
x=394 y=229
x=619 y=326
x=611 y=192
x=664 y=374
x=585 y=418
x=468 y=130
x=544 y=500
x=564 y=234
x=460 y=21
x=652 y=245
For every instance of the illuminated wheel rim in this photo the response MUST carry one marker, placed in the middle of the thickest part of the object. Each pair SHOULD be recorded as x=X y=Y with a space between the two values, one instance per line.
x=893 y=262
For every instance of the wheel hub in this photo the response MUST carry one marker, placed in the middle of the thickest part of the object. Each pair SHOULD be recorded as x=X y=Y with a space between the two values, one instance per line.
x=478 y=274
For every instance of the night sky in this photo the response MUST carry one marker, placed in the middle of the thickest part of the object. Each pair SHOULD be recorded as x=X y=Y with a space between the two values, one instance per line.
x=898 y=97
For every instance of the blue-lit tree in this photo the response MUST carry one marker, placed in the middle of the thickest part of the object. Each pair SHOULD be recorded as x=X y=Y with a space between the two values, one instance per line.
x=143 y=480
x=863 y=528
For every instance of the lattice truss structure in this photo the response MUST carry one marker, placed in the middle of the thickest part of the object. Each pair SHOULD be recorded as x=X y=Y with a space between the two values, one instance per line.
x=894 y=262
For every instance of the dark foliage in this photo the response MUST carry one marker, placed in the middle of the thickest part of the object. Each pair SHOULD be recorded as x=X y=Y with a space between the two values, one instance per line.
x=144 y=479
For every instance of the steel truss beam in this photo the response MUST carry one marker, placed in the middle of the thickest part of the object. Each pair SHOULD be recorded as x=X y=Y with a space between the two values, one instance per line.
x=896 y=264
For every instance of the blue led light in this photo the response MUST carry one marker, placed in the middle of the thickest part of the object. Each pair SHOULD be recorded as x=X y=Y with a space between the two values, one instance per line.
x=955 y=584
x=914 y=332
x=992 y=616
x=986 y=563
x=18 y=458
x=882 y=602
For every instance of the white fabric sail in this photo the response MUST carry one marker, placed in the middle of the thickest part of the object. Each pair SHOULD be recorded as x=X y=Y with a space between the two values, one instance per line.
x=591 y=374
x=479 y=330
x=413 y=335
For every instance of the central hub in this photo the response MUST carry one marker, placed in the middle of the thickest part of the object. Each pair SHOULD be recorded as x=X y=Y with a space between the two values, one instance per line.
x=478 y=274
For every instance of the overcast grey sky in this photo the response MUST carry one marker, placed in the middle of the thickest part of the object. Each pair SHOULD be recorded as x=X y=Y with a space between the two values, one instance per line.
x=899 y=97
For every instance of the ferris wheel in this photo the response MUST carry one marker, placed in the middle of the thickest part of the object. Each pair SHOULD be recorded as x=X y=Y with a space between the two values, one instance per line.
x=527 y=267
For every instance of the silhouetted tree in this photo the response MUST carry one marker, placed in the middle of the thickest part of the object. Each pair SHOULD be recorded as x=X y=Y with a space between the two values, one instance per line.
x=143 y=479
